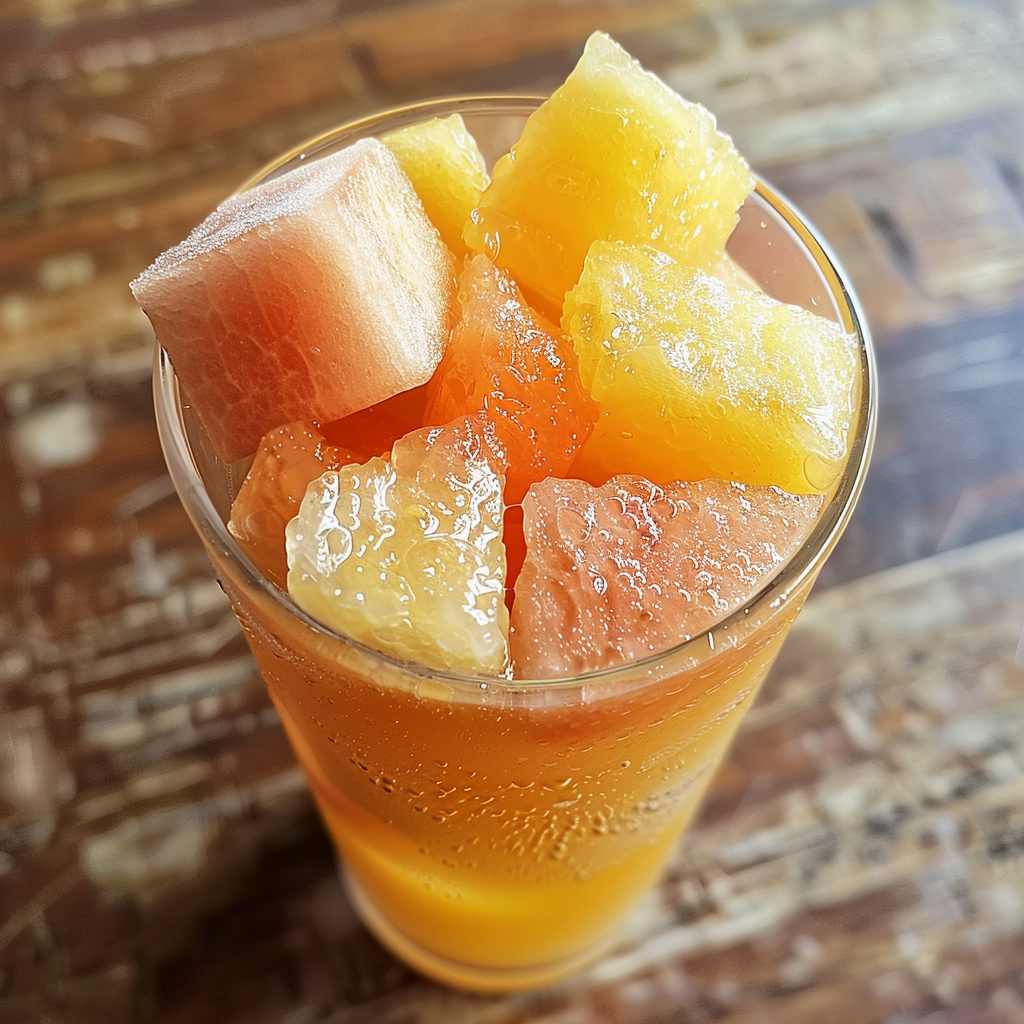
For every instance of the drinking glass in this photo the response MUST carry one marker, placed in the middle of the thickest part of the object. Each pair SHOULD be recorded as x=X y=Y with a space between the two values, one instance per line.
x=494 y=832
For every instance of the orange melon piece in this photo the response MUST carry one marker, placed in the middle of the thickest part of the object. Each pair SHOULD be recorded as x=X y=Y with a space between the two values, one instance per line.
x=613 y=154
x=288 y=458
x=620 y=572
x=310 y=296
x=505 y=359
x=405 y=555
x=695 y=378
x=447 y=170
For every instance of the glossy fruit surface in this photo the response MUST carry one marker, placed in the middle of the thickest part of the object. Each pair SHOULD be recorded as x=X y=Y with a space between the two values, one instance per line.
x=405 y=555
x=288 y=458
x=507 y=360
x=613 y=154
x=695 y=378
x=617 y=573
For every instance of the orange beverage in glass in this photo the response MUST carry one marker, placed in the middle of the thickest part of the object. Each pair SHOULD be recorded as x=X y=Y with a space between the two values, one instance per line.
x=494 y=832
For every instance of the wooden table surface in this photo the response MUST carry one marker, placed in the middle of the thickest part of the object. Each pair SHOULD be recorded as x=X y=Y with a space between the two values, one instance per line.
x=861 y=856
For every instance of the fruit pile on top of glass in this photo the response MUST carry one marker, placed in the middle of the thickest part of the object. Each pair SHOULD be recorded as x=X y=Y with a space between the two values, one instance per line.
x=529 y=426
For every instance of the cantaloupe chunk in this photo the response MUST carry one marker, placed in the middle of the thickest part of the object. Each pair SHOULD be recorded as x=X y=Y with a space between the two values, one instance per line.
x=505 y=359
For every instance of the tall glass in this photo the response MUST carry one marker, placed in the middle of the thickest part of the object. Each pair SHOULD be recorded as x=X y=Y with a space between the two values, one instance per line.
x=493 y=832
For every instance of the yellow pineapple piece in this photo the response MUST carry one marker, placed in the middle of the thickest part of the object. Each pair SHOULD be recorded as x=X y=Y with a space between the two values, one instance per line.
x=696 y=378
x=447 y=170
x=614 y=154
x=405 y=555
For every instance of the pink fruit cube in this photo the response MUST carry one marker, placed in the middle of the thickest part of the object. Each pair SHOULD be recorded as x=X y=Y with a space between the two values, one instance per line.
x=309 y=296
x=617 y=573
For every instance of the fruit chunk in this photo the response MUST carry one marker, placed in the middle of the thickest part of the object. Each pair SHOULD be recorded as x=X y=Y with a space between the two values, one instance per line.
x=518 y=368
x=447 y=171
x=616 y=573
x=308 y=297
x=613 y=154
x=406 y=556
x=288 y=458
x=695 y=379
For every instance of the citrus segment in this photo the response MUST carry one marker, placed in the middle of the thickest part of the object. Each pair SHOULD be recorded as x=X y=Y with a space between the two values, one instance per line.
x=619 y=572
x=613 y=154
x=405 y=555
x=309 y=296
x=697 y=379
x=446 y=169
x=288 y=458
x=505 y=359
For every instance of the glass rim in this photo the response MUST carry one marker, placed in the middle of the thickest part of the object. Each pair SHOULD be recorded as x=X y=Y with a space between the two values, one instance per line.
x=787 y=579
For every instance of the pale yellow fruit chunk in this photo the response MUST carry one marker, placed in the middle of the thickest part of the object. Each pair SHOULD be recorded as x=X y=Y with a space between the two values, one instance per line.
x=406 y=555
x=697 y=378
x=613 y=154
x=447 y=170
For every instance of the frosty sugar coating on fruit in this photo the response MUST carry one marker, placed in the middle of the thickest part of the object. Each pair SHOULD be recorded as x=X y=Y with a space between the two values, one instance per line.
x=307 y=297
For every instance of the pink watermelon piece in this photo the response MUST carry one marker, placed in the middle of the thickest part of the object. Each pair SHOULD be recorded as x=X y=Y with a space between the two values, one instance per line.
x=308 y=297
x=619 y=572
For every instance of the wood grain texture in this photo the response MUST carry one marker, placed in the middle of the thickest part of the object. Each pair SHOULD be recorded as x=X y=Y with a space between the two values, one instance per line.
x=861 y=855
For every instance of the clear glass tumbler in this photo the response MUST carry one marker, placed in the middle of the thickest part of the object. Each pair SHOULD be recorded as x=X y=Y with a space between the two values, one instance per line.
x=493 y=832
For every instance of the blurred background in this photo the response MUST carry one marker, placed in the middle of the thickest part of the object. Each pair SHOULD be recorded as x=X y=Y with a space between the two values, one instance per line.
x=159 y=859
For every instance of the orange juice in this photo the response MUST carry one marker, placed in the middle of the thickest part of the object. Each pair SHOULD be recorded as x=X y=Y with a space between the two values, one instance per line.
x=510 y=830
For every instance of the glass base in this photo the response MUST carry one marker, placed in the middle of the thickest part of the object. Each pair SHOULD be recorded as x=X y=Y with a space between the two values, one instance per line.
x=460 y=975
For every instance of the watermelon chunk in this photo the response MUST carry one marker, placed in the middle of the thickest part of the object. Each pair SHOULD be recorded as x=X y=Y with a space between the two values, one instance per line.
x=309 y=297
x=616 y=573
